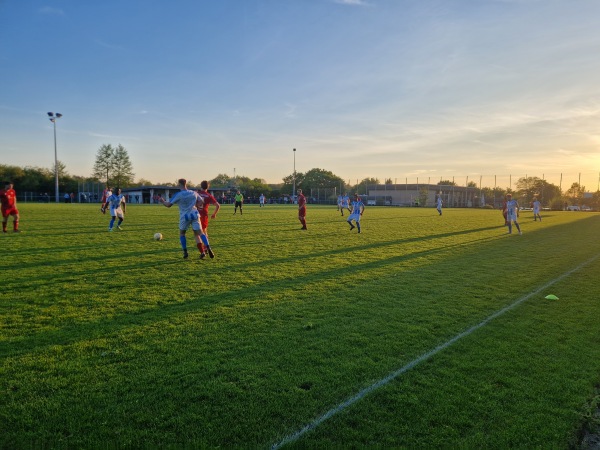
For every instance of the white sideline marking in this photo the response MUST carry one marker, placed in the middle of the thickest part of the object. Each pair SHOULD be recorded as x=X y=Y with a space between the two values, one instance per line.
x=350 y=401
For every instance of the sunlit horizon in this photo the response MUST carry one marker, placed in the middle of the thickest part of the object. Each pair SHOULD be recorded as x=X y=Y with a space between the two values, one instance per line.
x=365 y=89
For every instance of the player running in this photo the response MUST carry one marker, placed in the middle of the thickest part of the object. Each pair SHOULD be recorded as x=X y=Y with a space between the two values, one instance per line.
x=358 y=207
x=512 y=213
x=207 y=200
x=116 y=203
x=8 y=200
x=188 y=216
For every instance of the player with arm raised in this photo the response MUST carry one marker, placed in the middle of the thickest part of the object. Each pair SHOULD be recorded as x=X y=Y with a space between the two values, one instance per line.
x=188 y=216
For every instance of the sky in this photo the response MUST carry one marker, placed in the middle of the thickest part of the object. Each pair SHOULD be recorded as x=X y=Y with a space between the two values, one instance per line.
x=400 y=89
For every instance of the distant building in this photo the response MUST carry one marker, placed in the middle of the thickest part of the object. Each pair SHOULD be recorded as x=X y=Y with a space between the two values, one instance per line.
x=422 y=195
x=150 y=194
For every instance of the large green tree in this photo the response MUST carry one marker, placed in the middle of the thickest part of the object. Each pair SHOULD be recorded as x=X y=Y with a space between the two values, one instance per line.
x=123 y=169
x=575 y=193
x=113 y=165
x=530 y=187
x=313 y=179
x=104 y=165
x=222 y=180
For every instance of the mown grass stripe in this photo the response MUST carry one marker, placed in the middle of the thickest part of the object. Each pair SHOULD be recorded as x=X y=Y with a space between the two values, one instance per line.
x=373 y=387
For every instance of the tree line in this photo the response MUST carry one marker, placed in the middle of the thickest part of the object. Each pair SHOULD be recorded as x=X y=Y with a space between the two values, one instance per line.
x=113 y=167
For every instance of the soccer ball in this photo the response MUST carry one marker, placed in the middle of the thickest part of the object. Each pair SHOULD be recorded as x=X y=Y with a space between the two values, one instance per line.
x=157 y=237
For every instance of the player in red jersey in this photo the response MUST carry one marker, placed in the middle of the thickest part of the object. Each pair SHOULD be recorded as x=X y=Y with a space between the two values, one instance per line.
x=8 y=198
x=505 y=210
x=208 y=199
x=302 y=209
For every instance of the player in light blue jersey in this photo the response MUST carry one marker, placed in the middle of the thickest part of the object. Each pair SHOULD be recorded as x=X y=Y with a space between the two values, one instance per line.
x=188 y=216
x=358 y=207
x=536 y=205
x=512 y=213
x=116 y=203
x=345 y=203
x=439 y=203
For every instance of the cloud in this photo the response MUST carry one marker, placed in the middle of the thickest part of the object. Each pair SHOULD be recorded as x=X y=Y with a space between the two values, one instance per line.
x=352 y=2
x=291 y=110
x=51 y=11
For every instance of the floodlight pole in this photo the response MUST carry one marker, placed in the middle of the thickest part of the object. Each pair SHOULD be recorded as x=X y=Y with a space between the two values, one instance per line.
x=294 y=193
x=53 y=117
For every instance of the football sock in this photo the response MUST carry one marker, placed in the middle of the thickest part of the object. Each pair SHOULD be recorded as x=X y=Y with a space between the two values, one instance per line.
x=183 y=241
x=112 y=222
x=204 y=240
x=510 y=227
x=16 y=225
x=518 y=227
x=3 y=226
x=120 y=222
x=358 y=226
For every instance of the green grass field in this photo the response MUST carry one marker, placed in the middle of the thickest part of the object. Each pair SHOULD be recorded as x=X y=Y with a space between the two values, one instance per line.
x=112 y=339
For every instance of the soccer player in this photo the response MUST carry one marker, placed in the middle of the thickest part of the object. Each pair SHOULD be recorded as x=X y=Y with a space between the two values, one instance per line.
x=512 y=213
x=358 y=207
x=105 y=194
x=188 y=216
x=345 y=203
x=536 y=209
x=8 y=200
x=261 y=200
x=116 y=202
x=439 y=203
x=339 y=202
x=239 y=201
x=302 y=209
x=207 y=200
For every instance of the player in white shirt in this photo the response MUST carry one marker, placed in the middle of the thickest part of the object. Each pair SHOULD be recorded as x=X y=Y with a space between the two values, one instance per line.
x=512 y=213
x=188 y=216
x=261 y=200
x=536 y=209
x=439 y=203
x=116 y=205
x=345 y=203
x=358 y=207
x=339 y=202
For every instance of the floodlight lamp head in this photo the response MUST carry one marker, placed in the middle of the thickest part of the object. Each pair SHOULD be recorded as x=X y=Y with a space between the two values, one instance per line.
x=51 y=114
x=58 y=115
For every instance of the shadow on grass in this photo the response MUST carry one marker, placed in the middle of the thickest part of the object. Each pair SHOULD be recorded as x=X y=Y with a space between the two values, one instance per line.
x=102 y=327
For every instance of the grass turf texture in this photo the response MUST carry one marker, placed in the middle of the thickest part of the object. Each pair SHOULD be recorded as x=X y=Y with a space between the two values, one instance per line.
x=114 y=338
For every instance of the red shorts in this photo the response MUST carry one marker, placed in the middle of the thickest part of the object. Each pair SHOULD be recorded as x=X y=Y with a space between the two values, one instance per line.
x=302 y=211
x=204 y=222
x=12 y=211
